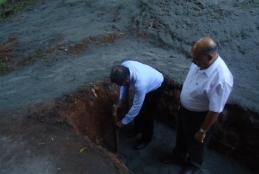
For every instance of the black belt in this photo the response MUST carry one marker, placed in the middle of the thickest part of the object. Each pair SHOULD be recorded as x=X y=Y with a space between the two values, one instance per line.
x=195 y=112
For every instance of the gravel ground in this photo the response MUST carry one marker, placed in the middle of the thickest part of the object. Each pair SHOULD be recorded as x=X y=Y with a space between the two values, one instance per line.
x=157 y=33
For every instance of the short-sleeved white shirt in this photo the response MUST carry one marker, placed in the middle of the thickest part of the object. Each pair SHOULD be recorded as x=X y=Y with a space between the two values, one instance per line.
x=208 y=89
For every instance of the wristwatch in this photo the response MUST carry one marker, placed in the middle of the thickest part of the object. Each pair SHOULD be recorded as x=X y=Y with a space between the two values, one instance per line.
x=203 y=131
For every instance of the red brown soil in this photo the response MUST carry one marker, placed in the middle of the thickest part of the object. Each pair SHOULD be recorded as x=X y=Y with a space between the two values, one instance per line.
x=237 y=135
x=89 y=112
x=98 y=40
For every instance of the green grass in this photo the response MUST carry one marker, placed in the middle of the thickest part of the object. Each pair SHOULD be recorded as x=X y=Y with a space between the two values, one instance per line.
x=252 y=4
x=3 y=66
x=2 y=2
x=8 y=8
x=144 y=7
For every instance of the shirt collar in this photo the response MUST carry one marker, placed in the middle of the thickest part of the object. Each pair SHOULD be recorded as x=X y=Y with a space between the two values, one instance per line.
x=212 y=67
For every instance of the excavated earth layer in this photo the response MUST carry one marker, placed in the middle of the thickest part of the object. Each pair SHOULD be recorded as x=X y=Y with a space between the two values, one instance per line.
x=89 y=112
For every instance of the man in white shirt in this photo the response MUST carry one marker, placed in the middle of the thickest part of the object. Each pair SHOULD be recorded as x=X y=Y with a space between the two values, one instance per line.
x=203 y=97
x=147 y=84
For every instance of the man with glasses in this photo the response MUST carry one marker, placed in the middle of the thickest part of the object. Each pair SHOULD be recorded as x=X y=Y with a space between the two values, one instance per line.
x=205 y=91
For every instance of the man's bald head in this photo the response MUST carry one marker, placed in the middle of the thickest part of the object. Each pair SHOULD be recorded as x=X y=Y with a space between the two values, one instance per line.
x=204 y=52
x=205 y=46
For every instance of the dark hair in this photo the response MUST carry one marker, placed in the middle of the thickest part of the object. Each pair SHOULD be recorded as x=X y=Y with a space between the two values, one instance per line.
x=119 y=74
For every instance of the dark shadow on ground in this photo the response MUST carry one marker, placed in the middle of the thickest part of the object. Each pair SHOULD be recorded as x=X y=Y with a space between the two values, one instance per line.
x=147 y=161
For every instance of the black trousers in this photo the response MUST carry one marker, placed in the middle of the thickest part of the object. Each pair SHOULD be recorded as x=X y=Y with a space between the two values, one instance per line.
x=187 y=148
x=144 y=122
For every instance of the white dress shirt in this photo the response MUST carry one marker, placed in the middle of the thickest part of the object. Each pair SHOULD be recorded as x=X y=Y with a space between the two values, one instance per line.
x=208 y=89
x=143 y=79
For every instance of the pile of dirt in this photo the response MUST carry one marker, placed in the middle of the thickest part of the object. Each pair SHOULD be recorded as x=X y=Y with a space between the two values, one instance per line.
x=66 y=29
x=233 y=24
x=170 y=24
x=65 y=25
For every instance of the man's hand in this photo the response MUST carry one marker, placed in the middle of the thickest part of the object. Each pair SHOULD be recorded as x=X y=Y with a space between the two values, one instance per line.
x=200 y=136
x=115 y=110
x=119 y=124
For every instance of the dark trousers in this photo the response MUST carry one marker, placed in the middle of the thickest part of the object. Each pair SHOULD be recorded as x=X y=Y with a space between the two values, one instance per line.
x=187 y=148
x=144 y=122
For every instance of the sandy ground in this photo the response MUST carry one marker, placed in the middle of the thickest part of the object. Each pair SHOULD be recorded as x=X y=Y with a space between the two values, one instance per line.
x=45 y=69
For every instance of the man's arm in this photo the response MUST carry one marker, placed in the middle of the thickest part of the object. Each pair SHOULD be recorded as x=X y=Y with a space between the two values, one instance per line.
x=138 y=101
x=122 y=104
x=217 y=97
x=209 y=120
x=123 y=101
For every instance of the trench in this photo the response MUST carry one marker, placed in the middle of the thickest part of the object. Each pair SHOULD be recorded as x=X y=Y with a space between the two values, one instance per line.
x=235 y=137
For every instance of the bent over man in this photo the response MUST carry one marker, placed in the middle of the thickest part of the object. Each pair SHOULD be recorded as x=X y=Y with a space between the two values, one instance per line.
x=147 y=84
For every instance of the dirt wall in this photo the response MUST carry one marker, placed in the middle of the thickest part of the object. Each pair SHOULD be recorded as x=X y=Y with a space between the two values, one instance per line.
x=236 y=135
x=89 y=112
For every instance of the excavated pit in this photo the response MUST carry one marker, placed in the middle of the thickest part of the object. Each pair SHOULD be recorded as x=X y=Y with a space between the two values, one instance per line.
x=89 y=112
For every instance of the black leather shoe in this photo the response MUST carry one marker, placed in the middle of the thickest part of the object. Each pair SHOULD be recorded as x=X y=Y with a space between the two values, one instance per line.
x=189 y=170
x=141 y=145
x=133 y=135
x=171 y=159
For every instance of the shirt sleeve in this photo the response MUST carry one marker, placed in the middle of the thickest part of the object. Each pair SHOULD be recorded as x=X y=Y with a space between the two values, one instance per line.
x=138 y=100
x=218 y=97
